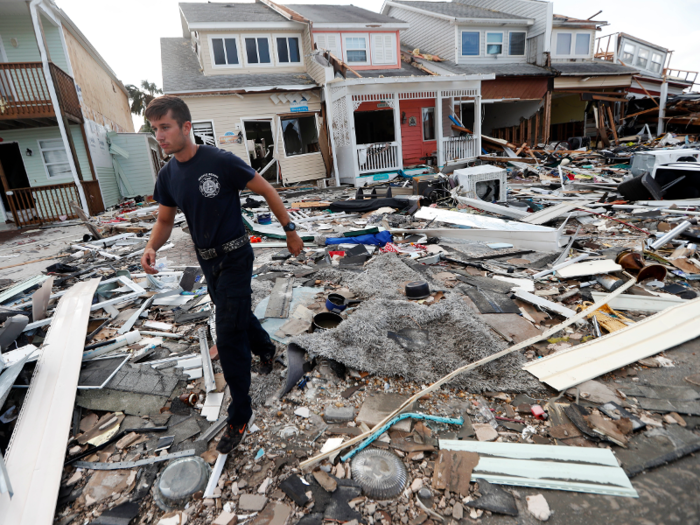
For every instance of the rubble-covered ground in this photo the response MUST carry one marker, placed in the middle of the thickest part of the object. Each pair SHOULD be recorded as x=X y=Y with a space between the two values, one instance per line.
x=485 y=296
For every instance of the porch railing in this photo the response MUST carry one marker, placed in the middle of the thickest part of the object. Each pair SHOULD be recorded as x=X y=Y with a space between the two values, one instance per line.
x=458 y=148
x=378 y=157
x=24 y=93
x=42 y=204
x=681 y=74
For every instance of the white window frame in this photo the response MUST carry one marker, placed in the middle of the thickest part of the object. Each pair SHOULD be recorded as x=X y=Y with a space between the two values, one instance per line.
x=301 y=49
x=273 y=54
x=636 y=57
x=422 y=124
x=393 y=44
x=338 y=52
x=486 y=43
x=43 y=160
x=661 y=63
x=367 y=50
x=572 y=48
x=574 y=43
x=216 y=36
x=461 y=47
x=315 y=115
x=634 y=52
x=213 y=129
x=524 y=43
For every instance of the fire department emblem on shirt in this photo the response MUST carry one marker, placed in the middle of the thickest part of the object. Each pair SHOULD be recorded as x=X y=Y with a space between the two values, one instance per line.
x=209 y=185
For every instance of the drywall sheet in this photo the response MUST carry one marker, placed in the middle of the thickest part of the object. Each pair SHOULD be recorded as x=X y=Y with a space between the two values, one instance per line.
x=657 y=333
x=589 y=268
x=36 y=452
x=577 y=469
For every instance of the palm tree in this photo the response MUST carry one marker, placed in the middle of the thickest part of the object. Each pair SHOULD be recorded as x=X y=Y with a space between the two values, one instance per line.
x=140 y=98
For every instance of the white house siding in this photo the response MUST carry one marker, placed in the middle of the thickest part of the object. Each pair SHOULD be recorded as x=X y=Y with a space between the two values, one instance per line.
x=228 y=112
x=34 y=164
x=432 y=35
x=313 y=68
x=108 y=186
x=240 y=70
x=483 y=58
x=539 y=33
x=19 y=27
x=137 y=168
x=55 y=46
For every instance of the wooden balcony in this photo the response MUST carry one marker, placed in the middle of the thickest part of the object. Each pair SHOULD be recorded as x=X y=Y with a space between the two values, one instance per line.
x=25 y=101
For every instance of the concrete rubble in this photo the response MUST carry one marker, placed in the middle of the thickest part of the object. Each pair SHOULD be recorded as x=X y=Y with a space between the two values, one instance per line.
x=142 y=402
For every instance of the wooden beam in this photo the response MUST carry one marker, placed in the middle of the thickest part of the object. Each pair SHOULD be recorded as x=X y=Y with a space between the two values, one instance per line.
x=526 y=160
x=612 y=125
x=645 y=91
x=609 y=99
x=641 y=113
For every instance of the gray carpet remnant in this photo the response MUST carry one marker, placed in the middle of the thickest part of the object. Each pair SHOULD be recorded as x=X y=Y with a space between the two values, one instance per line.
x=262 y=387
x=261 y=289
x=456 y=337
x=334 y=275
x=385 y=275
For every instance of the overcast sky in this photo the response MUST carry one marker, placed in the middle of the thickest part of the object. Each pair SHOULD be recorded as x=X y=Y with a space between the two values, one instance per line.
x=127 y=32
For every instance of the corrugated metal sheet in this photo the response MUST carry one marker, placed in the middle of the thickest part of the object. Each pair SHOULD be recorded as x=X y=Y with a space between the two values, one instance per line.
x=662 y=331
x=577 y=469
x=532 y=88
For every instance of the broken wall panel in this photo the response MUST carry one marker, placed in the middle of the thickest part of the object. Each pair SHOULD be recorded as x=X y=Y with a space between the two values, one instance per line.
x=655 y=334
x=37 y=448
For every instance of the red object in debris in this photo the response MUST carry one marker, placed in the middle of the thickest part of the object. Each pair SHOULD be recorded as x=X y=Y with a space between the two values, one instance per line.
x=341 y=254
x=539 y=413
x=214 y=353
x=255 y=239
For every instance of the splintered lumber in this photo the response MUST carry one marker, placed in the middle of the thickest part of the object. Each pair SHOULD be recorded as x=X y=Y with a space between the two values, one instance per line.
x=449 y=377
x=37 y=449
x=460 y=128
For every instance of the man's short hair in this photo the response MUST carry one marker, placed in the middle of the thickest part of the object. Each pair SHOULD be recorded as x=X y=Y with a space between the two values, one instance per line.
x=160 y=106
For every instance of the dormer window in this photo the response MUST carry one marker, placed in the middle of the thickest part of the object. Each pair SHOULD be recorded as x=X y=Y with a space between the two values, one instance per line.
x=225 y=51
x=288 y=50
x=657 y=62
x=583 y=44
x=642 y=58
x=258 y=50
x=356 y=49
x=470 y=43
x=494 y=43
x=516 y=45
x=573 y=45
x=628 y=54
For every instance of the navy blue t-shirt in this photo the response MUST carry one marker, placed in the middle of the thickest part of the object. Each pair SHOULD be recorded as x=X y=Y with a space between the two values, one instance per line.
x=206 y=189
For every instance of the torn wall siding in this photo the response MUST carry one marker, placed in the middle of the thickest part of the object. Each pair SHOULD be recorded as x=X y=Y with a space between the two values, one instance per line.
x=455 y=337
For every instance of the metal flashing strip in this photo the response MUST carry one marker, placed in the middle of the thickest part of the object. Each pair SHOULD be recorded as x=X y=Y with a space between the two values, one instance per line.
x=664 y=330
x=37 y=447
x=643 y=303
x=120 y=465
x=577 y=469
x=136 y=291
x=209 y=382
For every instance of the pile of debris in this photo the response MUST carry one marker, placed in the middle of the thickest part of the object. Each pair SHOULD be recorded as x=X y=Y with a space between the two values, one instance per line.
x=439 y=340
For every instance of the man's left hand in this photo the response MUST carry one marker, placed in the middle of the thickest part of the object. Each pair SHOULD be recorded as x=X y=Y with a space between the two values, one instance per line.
x=294 y=243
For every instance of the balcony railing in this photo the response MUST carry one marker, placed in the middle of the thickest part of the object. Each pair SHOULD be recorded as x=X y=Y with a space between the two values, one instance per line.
x=24 y=93
x=454 y=148
x=378 y=157
x=681 y=74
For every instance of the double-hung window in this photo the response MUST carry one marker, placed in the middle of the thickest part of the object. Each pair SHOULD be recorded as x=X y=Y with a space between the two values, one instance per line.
x=642 y=58
x=258 y=50
x=516 y=43
x=470 y=43
x=494 y=43
x=628 y=54
x=657 y=62
x=356 y=50
x=564 y=44
x=573 y=44
x=288 y=50
x=225 y=51
x=55 y=158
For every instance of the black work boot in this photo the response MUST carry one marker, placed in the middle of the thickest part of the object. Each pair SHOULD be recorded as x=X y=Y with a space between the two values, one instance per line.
x=234 y=436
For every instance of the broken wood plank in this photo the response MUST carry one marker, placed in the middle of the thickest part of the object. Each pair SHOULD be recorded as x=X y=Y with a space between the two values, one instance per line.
x=280 y=299
x=453 y=471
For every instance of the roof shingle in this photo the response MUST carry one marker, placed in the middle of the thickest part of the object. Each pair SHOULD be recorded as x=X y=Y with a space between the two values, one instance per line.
x=342 y=14
x=181 y=72
x=458 y=10
x=229 y=12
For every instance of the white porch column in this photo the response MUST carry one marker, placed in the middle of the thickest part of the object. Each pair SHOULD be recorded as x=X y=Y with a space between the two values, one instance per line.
x=477 y=123
x=438 y=128
x=329 y=130
x=350 y=105
x=397 y=130
x=54 y=101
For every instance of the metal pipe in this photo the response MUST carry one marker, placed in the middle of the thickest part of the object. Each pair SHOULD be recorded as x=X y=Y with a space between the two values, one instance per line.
x=675 y=232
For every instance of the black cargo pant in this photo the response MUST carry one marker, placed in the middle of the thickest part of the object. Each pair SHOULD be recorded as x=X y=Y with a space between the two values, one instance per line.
x=238 y=331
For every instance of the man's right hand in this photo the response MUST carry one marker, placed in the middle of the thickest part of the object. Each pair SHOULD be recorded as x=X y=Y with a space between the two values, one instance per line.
x=148 y=261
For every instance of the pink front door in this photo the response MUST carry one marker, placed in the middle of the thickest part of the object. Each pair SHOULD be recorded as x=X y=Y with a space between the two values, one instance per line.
x=417 y=140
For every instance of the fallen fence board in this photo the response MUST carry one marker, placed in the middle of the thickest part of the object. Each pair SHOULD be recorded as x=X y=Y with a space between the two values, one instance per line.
x=36 y=452
x=578 y=469
x=642 y=303
x=657 y=333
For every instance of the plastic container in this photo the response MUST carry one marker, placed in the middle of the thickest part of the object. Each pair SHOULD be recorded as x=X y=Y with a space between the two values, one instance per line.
x=417 y=290
x=380 y=473
x=335 y=303
x=326 y=321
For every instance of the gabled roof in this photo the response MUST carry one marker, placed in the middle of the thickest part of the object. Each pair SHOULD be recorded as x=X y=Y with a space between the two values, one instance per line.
x=340 y=15
x=181 y=73
x=459 y=10
x=228 y=12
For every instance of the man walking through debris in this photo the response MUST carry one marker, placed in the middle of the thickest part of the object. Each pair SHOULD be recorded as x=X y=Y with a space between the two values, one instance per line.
x=204 y=182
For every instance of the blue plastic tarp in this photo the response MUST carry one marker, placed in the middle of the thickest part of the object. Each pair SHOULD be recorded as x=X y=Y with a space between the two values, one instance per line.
x=373 y=239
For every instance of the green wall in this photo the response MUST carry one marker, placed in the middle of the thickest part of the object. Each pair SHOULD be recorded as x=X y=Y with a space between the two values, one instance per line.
x=20 y=27
x=137 y=167
x=34 y=164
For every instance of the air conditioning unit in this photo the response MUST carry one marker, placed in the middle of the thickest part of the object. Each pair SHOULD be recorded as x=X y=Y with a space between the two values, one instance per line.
x=488 y=183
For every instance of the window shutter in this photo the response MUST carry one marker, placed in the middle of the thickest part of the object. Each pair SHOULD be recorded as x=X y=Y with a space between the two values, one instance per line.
x=329 y=42
x=378 y=49
x=321 y=41
x=389 y=50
